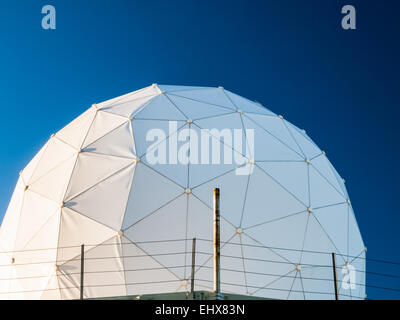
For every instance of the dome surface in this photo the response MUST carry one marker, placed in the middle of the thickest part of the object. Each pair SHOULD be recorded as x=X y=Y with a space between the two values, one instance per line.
x=132 y=178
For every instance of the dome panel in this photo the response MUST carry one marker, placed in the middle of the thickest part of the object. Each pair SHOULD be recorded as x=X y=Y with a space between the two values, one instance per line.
x=96 y=202
x=118 y=142
x=263 y=188
x=147 y=183
x=103 y=123
x=55 y=154
x=92 y=168
x=308 y=147
x=277 y=149
x=161 y=108
x=30 y=224
x=322 y=192
x=144 y=93
x=54 y=183
x=30 y=168
x=277 y=128
x=77 y=229
x=246 y=105
x=75 y=132
x=214 y=96
x=195 y=110
x=9 y=226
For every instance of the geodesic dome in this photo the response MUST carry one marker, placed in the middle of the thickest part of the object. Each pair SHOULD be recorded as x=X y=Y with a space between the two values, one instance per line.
x=132 y=178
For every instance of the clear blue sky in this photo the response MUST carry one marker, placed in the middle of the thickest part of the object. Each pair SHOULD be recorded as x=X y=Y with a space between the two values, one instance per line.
x=293 y=56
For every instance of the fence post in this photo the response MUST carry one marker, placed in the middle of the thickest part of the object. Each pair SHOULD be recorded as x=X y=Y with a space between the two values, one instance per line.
x=82 y=269
x=193 y=265
x=217 y=247
x=335 y=275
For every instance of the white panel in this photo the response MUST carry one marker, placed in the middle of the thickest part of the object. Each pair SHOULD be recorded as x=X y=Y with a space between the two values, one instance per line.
x=104 y=270
x=176 y=171
x=138 y=94
x=10 y=222
x=75 y=230
x=168 y=88
x=35 y=264
x=323 y=166
x=246 y=105
x=103 y=123
x=129 y=108
x=317 y=261
x=144 y=275
x=56 y=153
x=54 y=183
x=322 y=193
x=233 y=191
x=90 y=169
x=6 y=273
x=316 y=288
x=167 y=223
x=193 y=109
x=142 y=127
x=293 y=176
x=46 y=239
x=35 y=213
x=214 y=144
x=266 y=200
x=30 y=168
x=287 y=233
x=317 y=240
x=310 y=150
x=358 y=292
x=268 y=147
x=75 y=132
x=210 y=95
x=334 y=220
x=149 y=192
x=340 y=181
x=118 y=142
x=233 y=274
x=263 y=266
x=52 y=290
x=68 y=290
x=276 y=127
x=106 y=201
x=160 y=108
x=356 y=244
x=200 y=226
x=278 y=288
x=296 y=291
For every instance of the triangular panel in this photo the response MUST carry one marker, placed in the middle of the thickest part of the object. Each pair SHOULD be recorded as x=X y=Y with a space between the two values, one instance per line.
x=150 y=191
x=106 y=201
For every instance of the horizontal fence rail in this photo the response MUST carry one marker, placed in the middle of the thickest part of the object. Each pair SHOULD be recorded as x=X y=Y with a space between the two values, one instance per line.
x=23 y=267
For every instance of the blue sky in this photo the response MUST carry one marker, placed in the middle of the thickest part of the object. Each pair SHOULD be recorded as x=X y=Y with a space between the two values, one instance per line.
x=293 y=56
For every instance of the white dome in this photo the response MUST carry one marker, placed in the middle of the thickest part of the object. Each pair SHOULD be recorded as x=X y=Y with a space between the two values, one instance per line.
x=132 y=178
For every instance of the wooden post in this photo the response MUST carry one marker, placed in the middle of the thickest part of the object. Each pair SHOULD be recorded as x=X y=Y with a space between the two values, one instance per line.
x=193 y=265
x=82 y=269
x=335 y=275
x=217 y=288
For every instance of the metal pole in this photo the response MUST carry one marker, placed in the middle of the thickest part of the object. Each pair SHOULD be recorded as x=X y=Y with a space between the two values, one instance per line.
x=193 y=264
x=82 y=269
x=216 y=244
x=335 y=275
